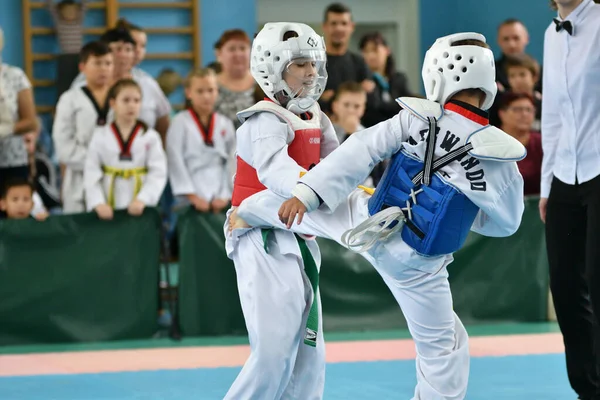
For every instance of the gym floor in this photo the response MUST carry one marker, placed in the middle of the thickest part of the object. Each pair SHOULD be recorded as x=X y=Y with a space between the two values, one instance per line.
x=510 y=361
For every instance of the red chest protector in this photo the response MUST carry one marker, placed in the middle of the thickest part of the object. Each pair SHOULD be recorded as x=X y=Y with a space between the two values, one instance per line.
x=305 y=148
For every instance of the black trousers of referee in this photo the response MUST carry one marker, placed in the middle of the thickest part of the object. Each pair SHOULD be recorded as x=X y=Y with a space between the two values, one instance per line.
x=573 y=245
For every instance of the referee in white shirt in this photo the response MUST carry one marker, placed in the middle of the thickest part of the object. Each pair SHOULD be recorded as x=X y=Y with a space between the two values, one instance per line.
x=570 y=187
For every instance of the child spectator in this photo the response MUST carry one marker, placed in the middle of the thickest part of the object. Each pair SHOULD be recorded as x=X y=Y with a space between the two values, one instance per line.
x=200 y=143
x=17 y=201
x=347 y=108
x=523 y=74
x=126 y=166
x=156 y=108
x=79 y=111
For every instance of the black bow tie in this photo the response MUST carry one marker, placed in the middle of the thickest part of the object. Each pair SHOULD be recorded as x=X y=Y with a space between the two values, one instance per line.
x=566 y=25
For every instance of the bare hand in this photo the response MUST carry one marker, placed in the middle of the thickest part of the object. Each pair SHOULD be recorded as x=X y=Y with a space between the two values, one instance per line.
x=41 y=216
x=198 y=203
x=542 y=206
x=136 y=208
x=219 y=204
x=289 y=209
x=104 y=211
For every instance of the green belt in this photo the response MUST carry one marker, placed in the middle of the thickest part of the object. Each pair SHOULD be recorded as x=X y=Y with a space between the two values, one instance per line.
x=310 y=268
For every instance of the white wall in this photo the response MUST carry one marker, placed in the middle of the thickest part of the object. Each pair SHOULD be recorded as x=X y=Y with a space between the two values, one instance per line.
x=397 y=20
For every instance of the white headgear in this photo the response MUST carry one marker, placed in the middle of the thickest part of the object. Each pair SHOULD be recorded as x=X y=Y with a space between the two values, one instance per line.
x=448 y=70
x=271 y=56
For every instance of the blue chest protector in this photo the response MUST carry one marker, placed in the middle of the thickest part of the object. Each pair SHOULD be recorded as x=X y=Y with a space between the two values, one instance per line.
x=438 y=217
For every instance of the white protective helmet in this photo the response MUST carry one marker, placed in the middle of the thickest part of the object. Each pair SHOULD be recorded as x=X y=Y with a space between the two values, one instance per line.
x=271 y=56
x=448 y=70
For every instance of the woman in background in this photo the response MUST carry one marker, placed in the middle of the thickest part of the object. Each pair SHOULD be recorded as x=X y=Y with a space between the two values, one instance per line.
x=17 y=117
x=517 y=111
x=389 y=83
x=236 y=85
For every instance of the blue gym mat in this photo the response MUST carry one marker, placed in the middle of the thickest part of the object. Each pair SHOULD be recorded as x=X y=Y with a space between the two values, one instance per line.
x=535 y=377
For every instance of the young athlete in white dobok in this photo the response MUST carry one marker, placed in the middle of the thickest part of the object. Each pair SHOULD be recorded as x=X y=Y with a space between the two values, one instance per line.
x=200 y=143
x=277 y=271
x=126 y=166
x=450 y=172
x=80 y=110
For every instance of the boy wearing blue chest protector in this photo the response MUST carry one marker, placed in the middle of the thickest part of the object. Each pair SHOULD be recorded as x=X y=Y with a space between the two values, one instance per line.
x=450 y=173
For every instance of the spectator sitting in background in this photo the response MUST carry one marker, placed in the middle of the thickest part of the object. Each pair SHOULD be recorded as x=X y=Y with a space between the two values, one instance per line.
x=523 y=73
x=17 y=200
x=347 y=108
x=43 y=172
x=236 y=85
x=389 y=83
x=517 y=111
x=342 y=64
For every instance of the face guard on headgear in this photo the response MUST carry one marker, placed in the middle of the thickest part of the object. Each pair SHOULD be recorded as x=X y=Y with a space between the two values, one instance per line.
x=447 y=70
x=301 y=59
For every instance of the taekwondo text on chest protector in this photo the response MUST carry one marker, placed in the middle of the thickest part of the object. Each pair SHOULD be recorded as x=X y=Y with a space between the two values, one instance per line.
x=473 y=175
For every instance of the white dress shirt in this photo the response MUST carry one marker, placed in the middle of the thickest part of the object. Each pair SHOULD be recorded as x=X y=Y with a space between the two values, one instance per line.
x=570 y=117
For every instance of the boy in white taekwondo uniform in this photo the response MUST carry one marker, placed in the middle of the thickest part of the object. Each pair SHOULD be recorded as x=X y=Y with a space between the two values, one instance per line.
x=450 y=173
x=277 y=271
x=126 y=166
x=78 y=112
x=200 y=143
x=156 y=109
